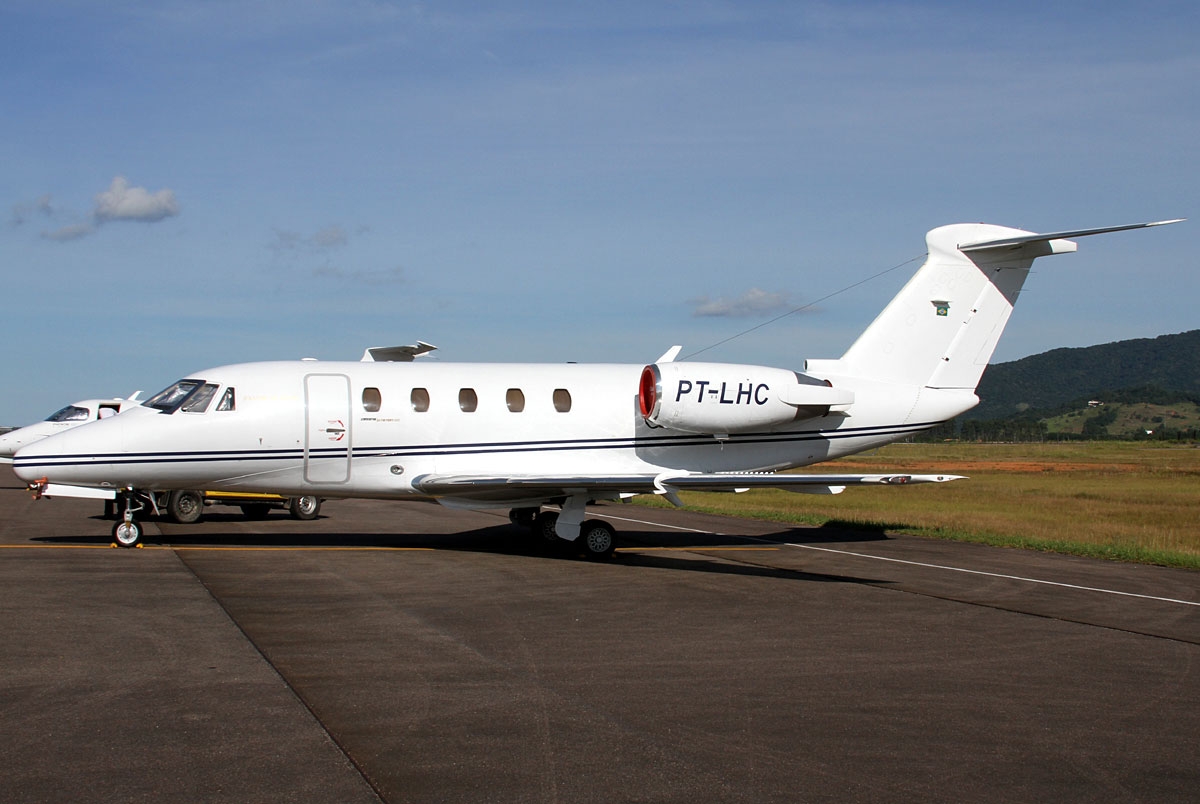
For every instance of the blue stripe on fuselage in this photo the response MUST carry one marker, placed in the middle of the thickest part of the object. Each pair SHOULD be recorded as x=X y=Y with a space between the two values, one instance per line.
x=481 y=448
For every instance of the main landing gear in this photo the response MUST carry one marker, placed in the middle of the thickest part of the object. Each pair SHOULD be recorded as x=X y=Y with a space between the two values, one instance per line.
x=596 y=539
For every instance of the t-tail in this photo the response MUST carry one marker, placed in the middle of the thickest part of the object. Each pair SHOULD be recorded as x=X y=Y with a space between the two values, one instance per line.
x=941 y=329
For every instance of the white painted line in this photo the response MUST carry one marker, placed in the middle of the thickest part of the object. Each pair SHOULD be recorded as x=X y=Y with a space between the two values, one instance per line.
x=995 y=575
x=607 y=515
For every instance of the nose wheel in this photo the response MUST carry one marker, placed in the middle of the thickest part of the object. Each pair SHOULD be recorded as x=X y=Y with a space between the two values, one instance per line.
x=128 y=534
x=128 y=531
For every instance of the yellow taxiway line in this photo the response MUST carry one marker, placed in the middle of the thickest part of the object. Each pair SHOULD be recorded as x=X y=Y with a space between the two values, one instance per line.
x=348 y=548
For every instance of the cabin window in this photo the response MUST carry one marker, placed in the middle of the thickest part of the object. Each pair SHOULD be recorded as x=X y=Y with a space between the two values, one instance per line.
x=515 y=399
x=228 y=400
x=71 y=413
x=562 y=400
x=371 y=400
x=468 y=400
x=198 y=401
x=420 y=400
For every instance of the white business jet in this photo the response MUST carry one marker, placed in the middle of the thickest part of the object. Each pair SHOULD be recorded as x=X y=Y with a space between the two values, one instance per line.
x=523 y=436
x=73 y=415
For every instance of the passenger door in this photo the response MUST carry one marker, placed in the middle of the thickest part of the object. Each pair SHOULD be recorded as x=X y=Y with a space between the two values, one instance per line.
x=328 y=428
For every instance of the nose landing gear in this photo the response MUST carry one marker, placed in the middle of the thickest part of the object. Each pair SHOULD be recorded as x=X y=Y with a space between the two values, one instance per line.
x=127 y=532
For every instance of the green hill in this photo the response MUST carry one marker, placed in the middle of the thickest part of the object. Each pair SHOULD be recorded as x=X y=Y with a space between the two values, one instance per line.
x=1126 y=420
x=1055 y=379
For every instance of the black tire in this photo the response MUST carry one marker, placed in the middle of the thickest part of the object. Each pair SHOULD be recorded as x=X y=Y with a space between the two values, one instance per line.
x=256 y=510
x=543 y=526
x=127 y=534
x=185 y=507
x=597 y=539
x=304 y=508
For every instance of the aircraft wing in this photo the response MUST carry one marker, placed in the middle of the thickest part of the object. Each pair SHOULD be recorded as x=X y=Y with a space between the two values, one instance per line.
x=481 y=488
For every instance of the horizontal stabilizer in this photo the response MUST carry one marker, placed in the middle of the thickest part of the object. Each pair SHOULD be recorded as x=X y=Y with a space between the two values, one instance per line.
x=1013 y=242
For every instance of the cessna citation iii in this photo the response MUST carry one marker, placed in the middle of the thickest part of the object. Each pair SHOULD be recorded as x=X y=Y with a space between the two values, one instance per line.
x=522 y=436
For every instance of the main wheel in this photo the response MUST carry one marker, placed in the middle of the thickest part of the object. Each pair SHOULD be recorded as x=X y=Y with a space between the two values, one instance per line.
x=127 y=534
x=185 y=507
x=598 y=539
x=543 y=526
x=304 y=508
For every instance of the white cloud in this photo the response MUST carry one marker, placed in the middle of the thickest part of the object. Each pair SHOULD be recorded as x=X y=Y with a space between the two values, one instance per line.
x=330 y=237
x=753 y=302
x=23 y=210
x=389 y=276
x=120 y=202
x=293 y=250
x=72 y=231
x=324 y=240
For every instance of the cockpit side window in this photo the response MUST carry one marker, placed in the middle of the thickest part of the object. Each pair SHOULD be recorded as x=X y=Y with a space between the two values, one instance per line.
x=170 y=399
x=198 y=400
x=228 y=400
x=71 y=413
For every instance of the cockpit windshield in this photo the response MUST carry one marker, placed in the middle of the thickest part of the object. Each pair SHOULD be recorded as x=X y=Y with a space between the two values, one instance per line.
x=171 y=399
x=197 y=401
x=71 y=413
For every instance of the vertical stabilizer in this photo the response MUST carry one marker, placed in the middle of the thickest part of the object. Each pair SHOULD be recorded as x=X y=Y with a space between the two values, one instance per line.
x=942 y=327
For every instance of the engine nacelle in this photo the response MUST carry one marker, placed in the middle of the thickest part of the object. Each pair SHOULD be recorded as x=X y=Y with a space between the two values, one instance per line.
x=723 y=398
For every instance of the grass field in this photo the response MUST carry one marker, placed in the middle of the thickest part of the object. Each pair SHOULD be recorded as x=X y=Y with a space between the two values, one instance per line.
x=1118 y=500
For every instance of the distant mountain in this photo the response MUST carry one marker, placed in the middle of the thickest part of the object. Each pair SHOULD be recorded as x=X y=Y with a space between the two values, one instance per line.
x=1055 y=378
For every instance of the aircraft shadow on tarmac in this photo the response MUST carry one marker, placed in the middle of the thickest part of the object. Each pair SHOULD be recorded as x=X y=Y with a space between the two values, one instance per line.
x=507 y=539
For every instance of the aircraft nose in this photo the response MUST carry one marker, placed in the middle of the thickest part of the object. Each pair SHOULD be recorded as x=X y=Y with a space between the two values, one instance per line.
x=69 y=457
x=9 y=444
x=26 y=461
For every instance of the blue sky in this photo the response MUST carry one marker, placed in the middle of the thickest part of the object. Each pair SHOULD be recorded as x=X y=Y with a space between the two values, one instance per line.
x=189 y=184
